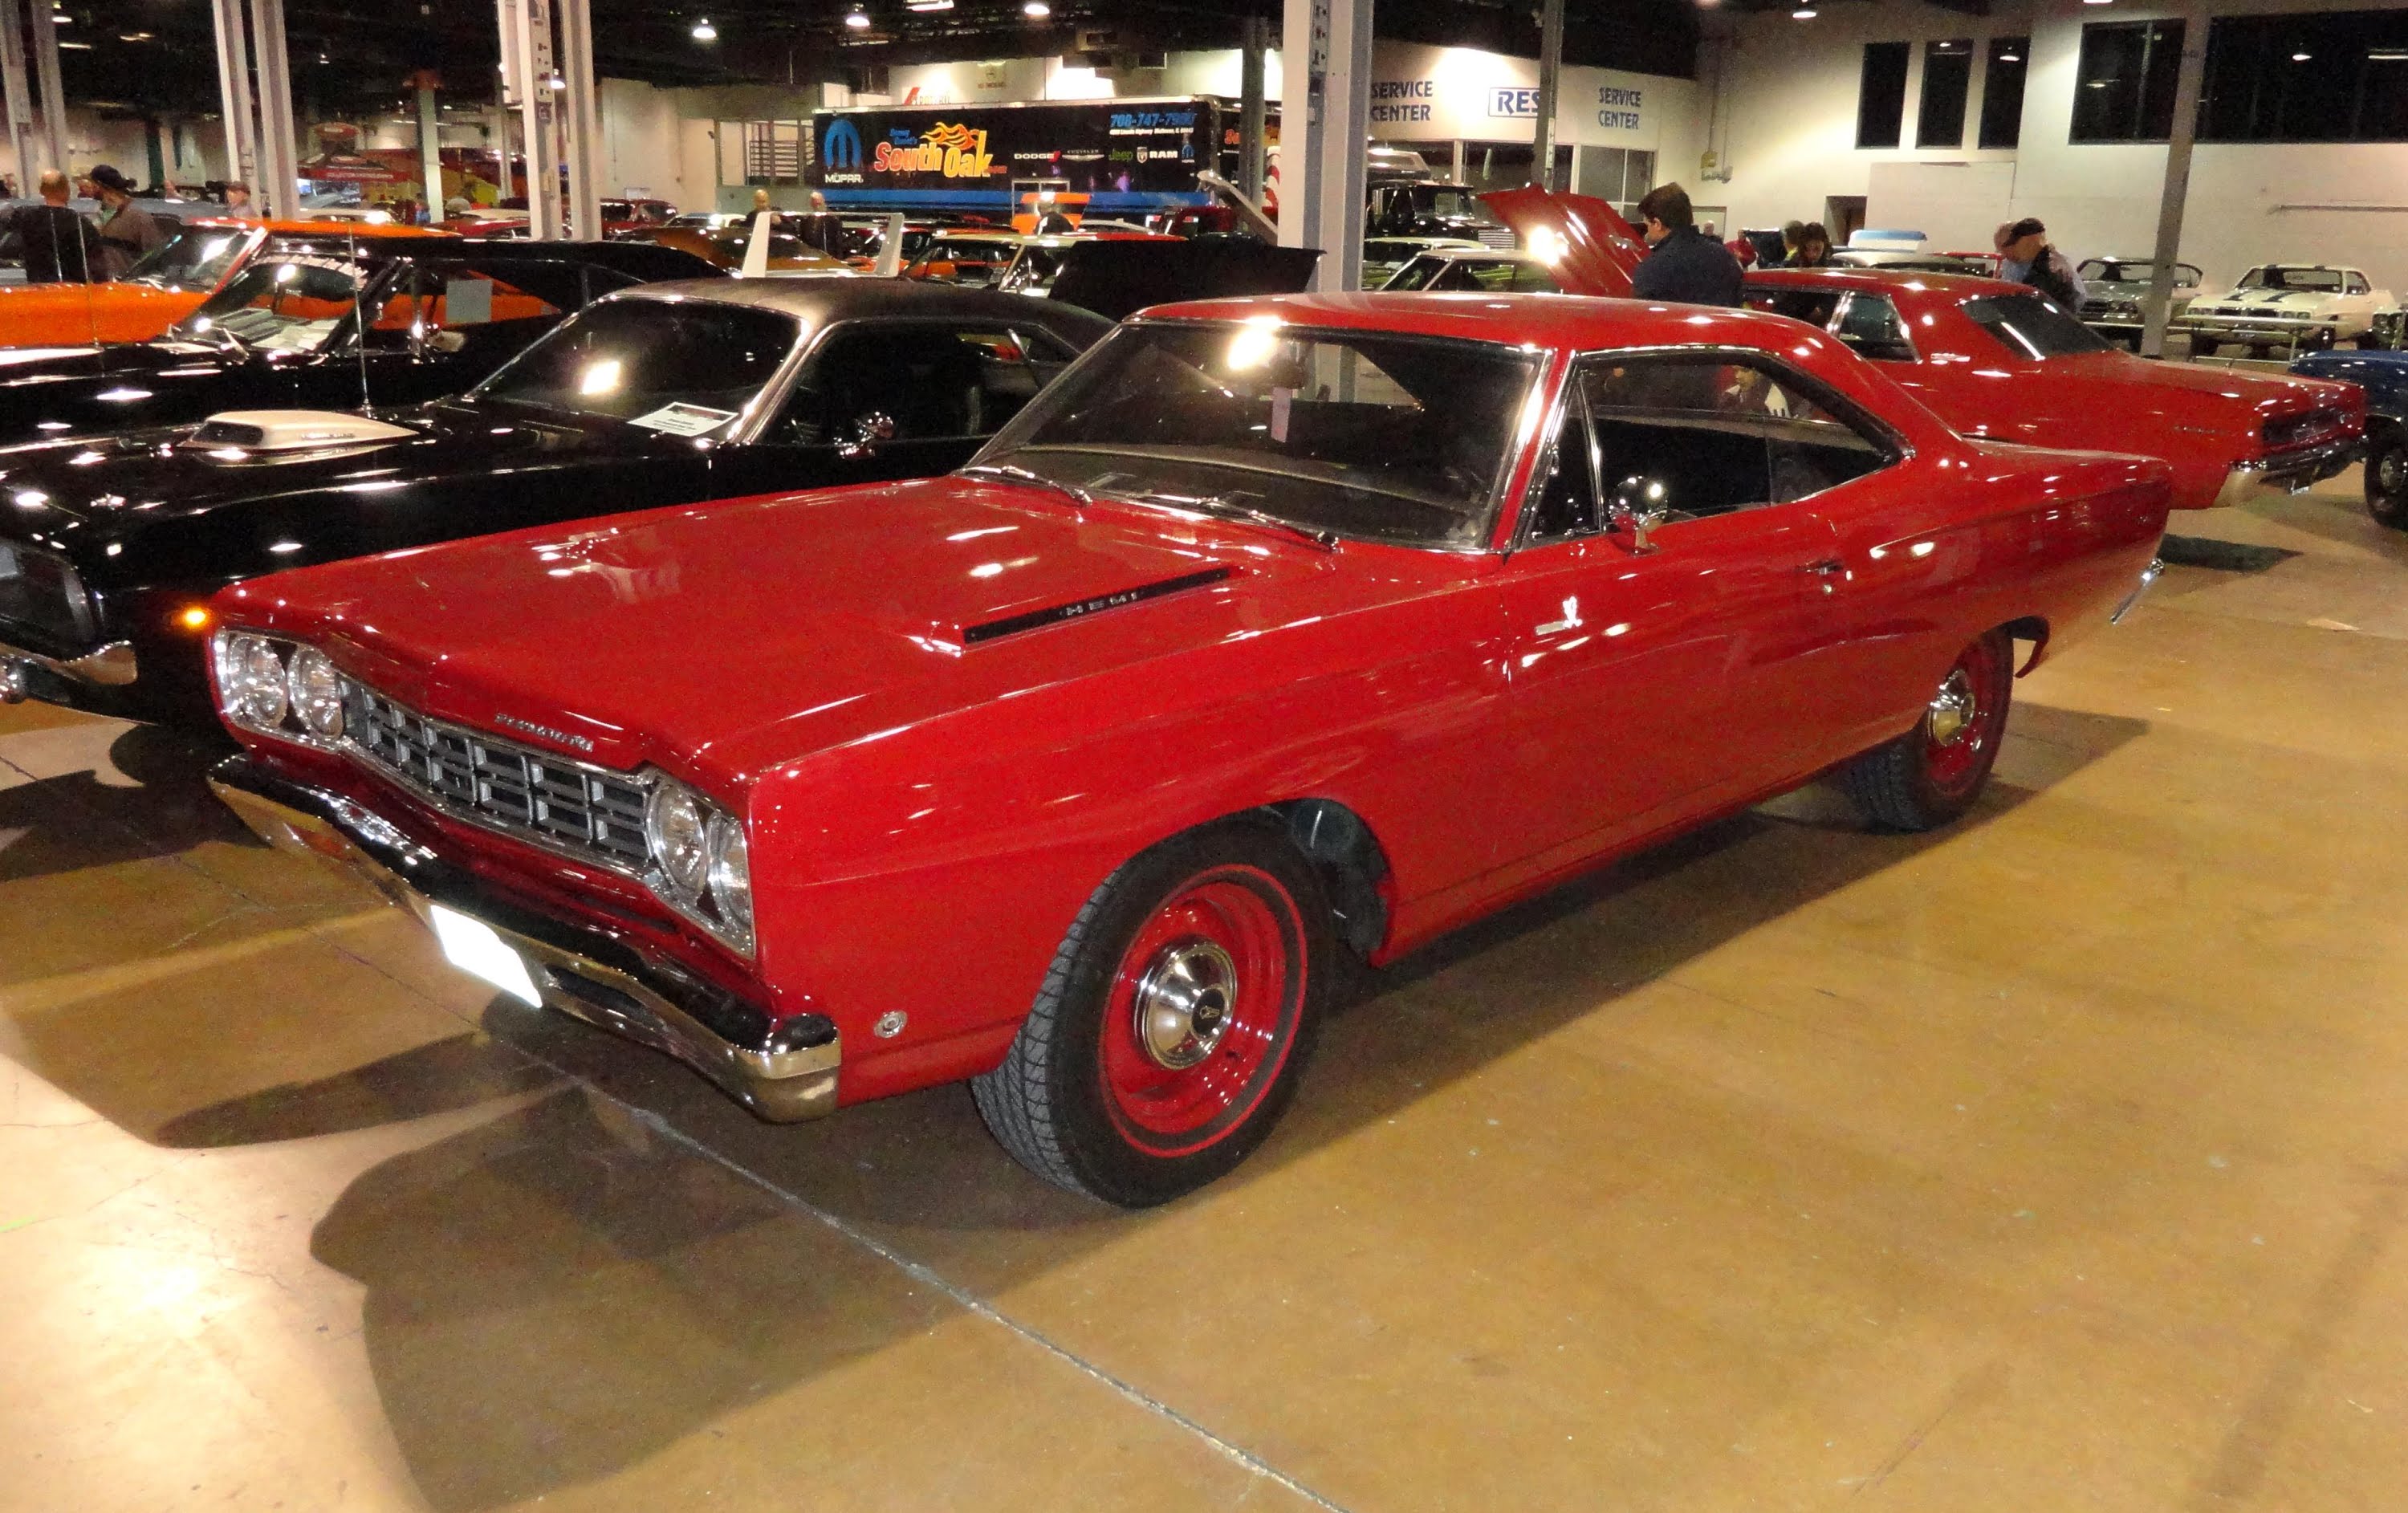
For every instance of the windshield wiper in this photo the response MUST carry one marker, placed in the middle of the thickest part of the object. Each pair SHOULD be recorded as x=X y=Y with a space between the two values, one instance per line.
x=1213 y=504
x=1024 y=474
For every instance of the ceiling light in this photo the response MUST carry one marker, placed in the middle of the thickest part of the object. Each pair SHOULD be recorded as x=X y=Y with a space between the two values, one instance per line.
x=858 y=20
x=2301 y=57
x=134 y=36
x=927 y=5
x=705 y=31
x=1802 y=13
x=60 y=18
x=555 y=81
x=2387 y=55
x=1037 y=10
x=2097 y=2
x=77 y=47
x=2011 y=57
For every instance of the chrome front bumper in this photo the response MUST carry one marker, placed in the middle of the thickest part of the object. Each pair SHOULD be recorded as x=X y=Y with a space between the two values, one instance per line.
x=784 y=1071
x=2288 y=473
x=110 y=666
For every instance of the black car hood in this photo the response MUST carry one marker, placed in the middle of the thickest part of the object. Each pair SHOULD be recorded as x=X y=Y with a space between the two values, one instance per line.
x=105 y=488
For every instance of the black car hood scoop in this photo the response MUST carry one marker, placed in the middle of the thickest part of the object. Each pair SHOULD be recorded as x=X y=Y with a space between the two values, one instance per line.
x=1078 y=608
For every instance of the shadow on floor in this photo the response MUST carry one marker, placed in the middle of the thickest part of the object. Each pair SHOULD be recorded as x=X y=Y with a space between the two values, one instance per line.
x=75 y=820
x=566 y=1290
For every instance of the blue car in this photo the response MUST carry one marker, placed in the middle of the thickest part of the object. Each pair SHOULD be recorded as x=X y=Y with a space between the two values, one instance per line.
x=2383 y=376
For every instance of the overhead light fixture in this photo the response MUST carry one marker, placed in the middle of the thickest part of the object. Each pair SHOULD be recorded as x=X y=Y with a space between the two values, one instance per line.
x=1802 y=13
x=2097 y=2
x=705 y=31
x=77 y=47
x=1037 y=10
x=857 y=19
x=2387 y=55
x=134 y=36
x=60 y=18
x=2301 y=57
x=927 y=5
x=2011 y=57
x=555 y=81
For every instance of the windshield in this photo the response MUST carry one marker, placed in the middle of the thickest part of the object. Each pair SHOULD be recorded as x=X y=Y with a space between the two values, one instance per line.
x=193 y=260
x=963 y=260
x=2031 y=326
x=1384 y=438
x=286 y=304
x=684 y=367
x=2315 y=280
x=2116 y=271
x=1451 y=202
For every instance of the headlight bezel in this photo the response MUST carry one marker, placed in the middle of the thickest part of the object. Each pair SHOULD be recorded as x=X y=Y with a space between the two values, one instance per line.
x=707 y=880
x=317 y=706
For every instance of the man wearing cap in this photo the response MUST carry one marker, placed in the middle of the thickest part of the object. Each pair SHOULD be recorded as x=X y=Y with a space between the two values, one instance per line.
x=2028 y=259
x=127 y=233
x=237 y=201
x=58 y=246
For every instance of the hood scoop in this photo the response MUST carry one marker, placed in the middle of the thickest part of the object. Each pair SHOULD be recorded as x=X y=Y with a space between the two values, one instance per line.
x=1078 y=608
x=294 y=430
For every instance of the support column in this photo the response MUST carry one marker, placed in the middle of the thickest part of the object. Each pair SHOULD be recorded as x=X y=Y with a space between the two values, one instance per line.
x=430 y=146
x=1251 y=112
x=2156 y=307
x=1321 y=165
x=17 y=97
x=278 y=190
x=580 y=119
x=233 y=96
x=1551 y=81
x=45 y=34
x=527 y=82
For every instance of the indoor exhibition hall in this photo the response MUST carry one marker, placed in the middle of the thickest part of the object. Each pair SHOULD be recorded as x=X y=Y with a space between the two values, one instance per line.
x=1346 y=755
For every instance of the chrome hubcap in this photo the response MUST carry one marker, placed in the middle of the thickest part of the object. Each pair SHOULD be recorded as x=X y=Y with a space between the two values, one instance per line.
x=1951 y=714
x=1184 y=1002
x=2389 y=471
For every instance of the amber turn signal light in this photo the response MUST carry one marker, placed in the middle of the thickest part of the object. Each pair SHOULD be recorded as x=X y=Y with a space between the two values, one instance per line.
x=193 y=617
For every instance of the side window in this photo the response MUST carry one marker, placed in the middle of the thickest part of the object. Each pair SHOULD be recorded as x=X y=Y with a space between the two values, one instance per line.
x=1567 y=500
x=1870 y=324
x=1812 y=305
x=2358 y=284
x=1708 y=435
x=934 y=383
x=426 y=300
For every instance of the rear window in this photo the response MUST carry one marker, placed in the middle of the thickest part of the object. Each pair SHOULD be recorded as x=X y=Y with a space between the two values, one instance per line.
x=2031 y=326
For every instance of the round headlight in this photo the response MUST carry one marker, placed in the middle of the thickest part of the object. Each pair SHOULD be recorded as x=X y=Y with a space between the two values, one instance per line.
x=731 y=872
x=679 y=834
x=316 y=691
x=251 y=680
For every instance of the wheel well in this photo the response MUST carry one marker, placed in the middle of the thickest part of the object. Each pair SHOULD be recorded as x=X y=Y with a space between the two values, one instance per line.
x=2033 y=629
x=1343 y=851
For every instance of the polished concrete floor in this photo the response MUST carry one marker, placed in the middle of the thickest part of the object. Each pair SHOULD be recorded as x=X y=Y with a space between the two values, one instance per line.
x=2054 y=1161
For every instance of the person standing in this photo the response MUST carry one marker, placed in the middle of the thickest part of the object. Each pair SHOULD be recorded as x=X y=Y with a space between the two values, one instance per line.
x=56 y=245
x=1813 y=248
x=237 y=201
x=2030 y=259
x=1682 y=263
x=127 y=233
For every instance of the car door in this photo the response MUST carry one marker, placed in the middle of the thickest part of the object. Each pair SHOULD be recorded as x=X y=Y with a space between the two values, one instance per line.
x=1665 y=606
x=899 y=399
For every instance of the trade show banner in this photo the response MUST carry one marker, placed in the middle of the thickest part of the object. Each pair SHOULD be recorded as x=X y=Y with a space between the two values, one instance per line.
x=1120 y=155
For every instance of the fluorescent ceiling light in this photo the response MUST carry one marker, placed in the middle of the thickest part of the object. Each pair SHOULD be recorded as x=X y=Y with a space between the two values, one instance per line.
x=1802 y=13
x=705 y=31
x=1037 y=10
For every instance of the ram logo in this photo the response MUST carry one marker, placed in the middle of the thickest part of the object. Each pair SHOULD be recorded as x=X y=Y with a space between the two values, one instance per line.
x=842 y=146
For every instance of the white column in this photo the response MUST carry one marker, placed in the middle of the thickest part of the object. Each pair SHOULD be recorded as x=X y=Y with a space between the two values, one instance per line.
x=1325 y=126
x=581 y=118
x=233 y=94
x=2156 y=307
x=17 y=96
x=46 y=71
x=1551 y=79
x=278 y=189
x=526 y=82
x=430 y=150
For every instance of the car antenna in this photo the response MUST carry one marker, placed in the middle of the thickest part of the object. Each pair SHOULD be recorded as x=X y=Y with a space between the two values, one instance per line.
x=360 y=326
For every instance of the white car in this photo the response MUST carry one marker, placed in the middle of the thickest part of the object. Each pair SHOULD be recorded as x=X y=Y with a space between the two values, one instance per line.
x=2298 y=306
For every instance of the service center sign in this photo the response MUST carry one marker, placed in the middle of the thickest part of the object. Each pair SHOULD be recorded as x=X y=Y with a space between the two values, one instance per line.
x=1424 y=93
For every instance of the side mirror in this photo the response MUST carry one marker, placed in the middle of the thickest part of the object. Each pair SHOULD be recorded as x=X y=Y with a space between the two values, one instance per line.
x=868 y=432
x=1639 y=525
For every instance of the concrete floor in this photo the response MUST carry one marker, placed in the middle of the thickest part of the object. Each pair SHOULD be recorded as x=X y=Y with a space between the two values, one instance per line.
x=2053 y=1161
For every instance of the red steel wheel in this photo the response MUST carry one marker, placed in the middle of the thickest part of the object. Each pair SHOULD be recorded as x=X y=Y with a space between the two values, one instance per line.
x=1203 y=1010
x=1170 y=1032
x=1934 y=772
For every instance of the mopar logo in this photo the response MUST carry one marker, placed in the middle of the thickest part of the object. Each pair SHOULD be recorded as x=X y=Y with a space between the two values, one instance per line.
x=843 y=148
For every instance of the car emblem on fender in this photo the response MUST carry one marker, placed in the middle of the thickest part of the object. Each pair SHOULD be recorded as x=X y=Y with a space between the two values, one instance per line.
x=558 y=737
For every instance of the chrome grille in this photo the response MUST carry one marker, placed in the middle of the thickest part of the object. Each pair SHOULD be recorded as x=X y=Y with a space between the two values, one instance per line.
x=563 y=805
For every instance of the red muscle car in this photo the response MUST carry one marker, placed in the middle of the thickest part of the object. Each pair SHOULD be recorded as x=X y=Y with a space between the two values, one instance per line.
x=1998 y=360
x=1272 y=630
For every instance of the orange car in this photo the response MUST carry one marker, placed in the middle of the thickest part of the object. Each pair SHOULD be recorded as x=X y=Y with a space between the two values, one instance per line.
x=159 y=291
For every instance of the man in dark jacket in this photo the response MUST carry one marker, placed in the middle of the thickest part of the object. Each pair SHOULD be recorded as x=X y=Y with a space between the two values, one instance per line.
x=1683 y=265
x=56 y=245
x=127 y=233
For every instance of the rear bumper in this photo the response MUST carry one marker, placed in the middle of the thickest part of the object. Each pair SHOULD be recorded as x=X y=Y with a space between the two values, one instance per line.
x=2287 y=472
x=784 y=1070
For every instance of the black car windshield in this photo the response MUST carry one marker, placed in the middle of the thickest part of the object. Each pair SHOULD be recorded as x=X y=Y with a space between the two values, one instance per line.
x=290 y=303
x=192 y=260
x=682 y=367
x=1384 y=438
x=2031 y=326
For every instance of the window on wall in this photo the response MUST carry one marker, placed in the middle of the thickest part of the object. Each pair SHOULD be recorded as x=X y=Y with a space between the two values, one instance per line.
x=2337 y=76
x=2124 y=89
x=1947 y=75
x=1881 y=95
x=2003 y=92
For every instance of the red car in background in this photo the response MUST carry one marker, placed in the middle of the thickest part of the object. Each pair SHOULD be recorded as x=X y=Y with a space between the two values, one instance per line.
x=1274 y=629
x=1997 y=360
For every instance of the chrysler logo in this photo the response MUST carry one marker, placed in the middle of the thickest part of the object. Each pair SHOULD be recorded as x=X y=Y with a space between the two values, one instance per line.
x=558 y=737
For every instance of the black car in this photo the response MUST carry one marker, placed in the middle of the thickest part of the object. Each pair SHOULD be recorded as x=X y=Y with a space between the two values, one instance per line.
x=110 y=546
x=330 y=322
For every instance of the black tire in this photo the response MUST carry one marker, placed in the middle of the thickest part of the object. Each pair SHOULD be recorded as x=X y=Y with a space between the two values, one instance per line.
x=1061 y=1103
x=1930 y=776
x=2387 y=479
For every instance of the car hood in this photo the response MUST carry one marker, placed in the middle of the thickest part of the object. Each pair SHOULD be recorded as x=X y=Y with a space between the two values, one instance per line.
x=2271 y=300
x=1599 y=257
x=746 y=634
